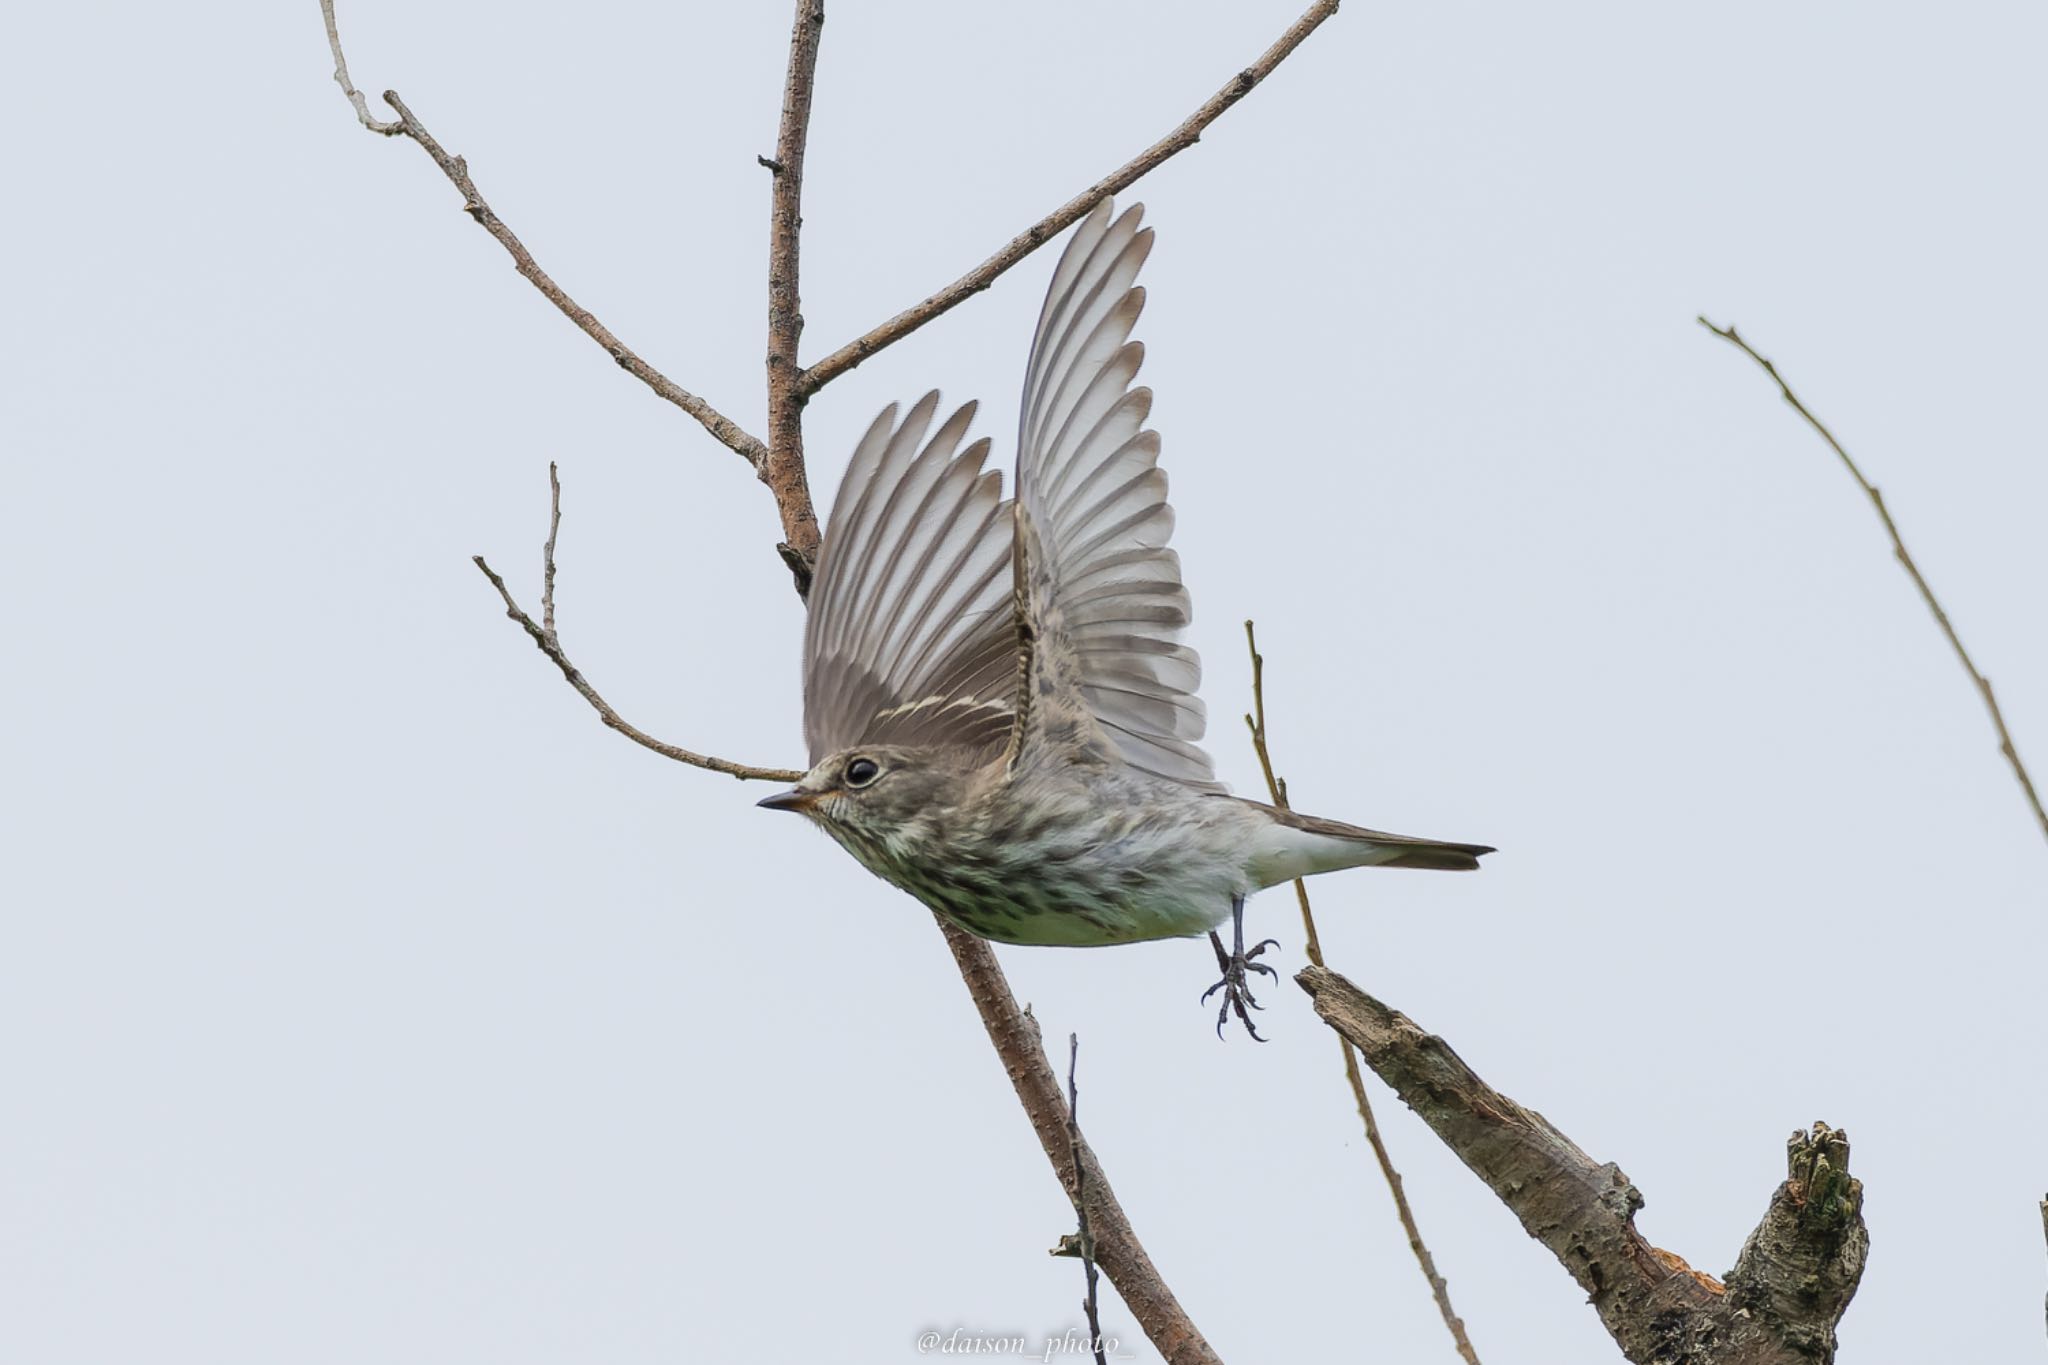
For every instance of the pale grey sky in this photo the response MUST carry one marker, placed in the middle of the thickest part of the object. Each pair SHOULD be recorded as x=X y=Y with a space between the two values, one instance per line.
x=362 y=999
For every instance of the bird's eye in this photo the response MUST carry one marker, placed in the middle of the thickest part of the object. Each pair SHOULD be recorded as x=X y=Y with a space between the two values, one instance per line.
x=862 y=771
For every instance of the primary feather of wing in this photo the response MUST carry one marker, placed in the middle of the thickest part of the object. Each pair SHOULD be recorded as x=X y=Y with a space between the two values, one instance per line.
x=910 y=638
x=1095 y=575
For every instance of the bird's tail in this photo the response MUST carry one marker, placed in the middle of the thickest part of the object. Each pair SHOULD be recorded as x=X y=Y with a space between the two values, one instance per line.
x=1303 y=845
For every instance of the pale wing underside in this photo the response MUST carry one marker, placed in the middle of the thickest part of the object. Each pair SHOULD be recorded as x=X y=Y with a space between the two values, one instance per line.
x=910 y=638
x=1094 y=575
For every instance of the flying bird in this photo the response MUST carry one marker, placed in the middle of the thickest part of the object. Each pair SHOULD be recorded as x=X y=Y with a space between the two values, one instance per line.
x=1001 y=715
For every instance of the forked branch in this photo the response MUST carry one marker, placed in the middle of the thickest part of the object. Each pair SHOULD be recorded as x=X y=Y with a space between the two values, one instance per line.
x=780 y=463
x=728 y=432
x=1117 y=1250
x=1184 y=136
x=1790 y=1284
x=1870 y=490
x=543 y=634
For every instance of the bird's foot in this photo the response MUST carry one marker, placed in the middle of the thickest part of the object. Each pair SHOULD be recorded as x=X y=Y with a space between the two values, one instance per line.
x=1237 y=965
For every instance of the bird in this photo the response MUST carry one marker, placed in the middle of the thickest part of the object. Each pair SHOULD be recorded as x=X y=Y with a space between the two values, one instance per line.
x=1001 y=715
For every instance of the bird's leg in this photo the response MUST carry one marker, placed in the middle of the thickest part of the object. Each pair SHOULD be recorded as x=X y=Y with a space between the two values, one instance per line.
x=1235 y=964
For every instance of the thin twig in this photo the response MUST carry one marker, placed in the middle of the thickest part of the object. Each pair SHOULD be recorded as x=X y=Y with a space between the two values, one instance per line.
x=727 y=432
x=543 y=635
x=1256 y=723
x=385 y=127
x=547 y=553
x=1015 y=1036
x=1186 y=135
x=2005 y=744
x=782 y=468
x=1086 y=1241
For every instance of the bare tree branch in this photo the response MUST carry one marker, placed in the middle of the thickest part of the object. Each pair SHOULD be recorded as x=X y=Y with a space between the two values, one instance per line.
x=728 y=433
x=1186 y=135
x=543 y=635
x=1277 y=788
x=1117 y=1250
x=1010 y=1030
x=780 y=464
x=385 y=127
x=1778 y=1306
x=783 y=468
x=2005 y=744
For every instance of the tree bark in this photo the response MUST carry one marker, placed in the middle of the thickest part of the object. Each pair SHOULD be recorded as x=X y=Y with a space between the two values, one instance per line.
x=1791 y=1282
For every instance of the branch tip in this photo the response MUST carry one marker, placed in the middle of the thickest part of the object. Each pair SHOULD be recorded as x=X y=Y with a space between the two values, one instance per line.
x=545 y=638
x=722 y=428
x=2006 y=746
x=1183 y=136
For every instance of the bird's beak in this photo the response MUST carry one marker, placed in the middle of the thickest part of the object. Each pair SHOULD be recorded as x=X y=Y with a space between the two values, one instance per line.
x=793 y=799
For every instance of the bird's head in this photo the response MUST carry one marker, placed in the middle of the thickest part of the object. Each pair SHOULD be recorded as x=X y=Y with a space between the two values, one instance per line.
x=875 y=793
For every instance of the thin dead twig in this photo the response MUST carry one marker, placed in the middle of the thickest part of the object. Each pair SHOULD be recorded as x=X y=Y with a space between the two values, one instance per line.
x=356 y=99
x=2005 y=744
x=1011 y=1031
x=1084 y=1242
x=780 y=463
x=543 y=635
x=727 y=432
x=1186 y=135
x=1277 y=786
x=724 y=429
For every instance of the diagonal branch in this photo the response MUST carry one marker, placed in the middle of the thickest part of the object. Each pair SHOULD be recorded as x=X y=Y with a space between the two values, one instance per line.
x=1117 y=1249
x=1277 y=787
x=782 y=468
x=1778 y=1306
x=780 y=463
x=728 y=433
x=543 y=635
x=2005 y=744
x=1186 y=135
x=456 y=169
x=1011 y=1030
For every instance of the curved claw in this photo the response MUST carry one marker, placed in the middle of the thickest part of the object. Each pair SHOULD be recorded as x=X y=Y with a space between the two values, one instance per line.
x=1235 y=964
x=1250 y=1027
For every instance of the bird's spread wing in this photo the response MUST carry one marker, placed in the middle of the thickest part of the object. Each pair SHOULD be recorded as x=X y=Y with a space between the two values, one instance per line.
x=910 y=638
x=1098 y=594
